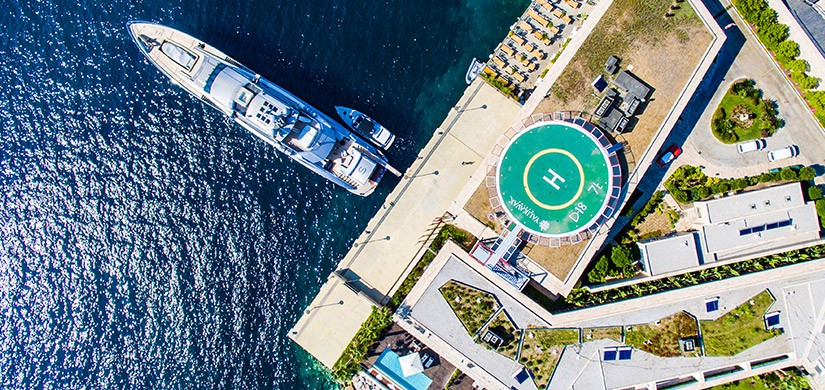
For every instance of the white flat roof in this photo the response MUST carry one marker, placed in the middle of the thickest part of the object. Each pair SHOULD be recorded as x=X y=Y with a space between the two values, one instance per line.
x=751 y=203
x=671 y=254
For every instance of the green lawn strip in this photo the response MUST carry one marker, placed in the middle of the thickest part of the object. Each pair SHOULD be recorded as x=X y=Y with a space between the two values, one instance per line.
x=785 y=379
x=472 y=307
x=449 y=232
x=504 y=328
x=739 y=329
x=349 y=362
x=610 y=333
x=541 y=351
x=661 y=338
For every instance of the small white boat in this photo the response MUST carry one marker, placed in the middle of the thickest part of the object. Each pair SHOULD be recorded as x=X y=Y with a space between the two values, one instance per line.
x=366 y=127
x=473 y=71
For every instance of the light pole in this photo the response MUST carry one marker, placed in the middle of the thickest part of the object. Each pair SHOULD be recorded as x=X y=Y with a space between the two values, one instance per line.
x=341 y=302
x=387 y=238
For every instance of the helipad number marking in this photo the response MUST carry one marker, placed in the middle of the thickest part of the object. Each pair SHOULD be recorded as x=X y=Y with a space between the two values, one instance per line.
x=552 y=182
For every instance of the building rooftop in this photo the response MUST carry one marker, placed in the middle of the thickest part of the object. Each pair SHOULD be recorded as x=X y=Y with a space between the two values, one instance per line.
x=670 y=254
x=630 y=83
x=750 y=203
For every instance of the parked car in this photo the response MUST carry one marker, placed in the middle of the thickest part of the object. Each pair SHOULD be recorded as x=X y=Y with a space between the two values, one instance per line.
x=781 y=154
x=672 y=152
x=752 y=146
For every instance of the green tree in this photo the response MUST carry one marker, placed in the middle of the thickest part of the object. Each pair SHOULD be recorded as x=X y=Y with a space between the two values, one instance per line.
x=719 y=188
x=623 y=258
x=766 y=17
x=807 y=174
x=804 y=80
x=787 y=51
x=773 y=34
x=798 y=65
x=680 y=195
x=740 y=184
x=787 y=174
x=599 y=271
x=814 y=193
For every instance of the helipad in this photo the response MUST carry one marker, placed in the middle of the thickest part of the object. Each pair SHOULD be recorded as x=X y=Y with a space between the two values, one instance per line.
x=555 y=178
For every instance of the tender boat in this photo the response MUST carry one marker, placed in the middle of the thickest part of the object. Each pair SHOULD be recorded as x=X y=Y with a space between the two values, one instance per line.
x=268 y=111
x=366 y=127
x=473 y=71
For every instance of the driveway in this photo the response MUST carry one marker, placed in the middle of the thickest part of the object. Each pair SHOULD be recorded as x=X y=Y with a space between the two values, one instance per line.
x=743 y=57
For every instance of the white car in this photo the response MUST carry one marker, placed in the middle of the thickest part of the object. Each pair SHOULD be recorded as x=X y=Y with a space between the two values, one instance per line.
x=781 y=154
x=752 y=146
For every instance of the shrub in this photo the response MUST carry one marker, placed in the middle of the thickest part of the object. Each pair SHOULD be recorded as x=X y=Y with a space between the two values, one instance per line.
x=680 y=196
x=820 y=209
x=814 y=193
x=350 y=361
x=797 y=65
x=804 y=81
x=806 y=174
x=701 y=193
x=741 y=183
x=720 y=188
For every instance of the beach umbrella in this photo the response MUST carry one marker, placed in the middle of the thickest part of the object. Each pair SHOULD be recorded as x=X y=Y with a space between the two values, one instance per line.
x=411 y=364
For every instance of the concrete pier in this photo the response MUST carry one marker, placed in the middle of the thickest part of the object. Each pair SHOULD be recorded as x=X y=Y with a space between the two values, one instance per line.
x=395 y=238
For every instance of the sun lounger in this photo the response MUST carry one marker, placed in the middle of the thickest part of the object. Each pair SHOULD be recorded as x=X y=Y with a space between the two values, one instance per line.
x=572 y=3
x=529 y=47
x=519 y=77
x=549 y=7
x=538 y=18
x=558 y=13
x=519 y=40
x=499 y=62
x=508 y=50
x=540 y=54
x=490 y=72
x=553 y=29
x=525 y=26
x=543 y=37
x=533 y=66
x=567 y=19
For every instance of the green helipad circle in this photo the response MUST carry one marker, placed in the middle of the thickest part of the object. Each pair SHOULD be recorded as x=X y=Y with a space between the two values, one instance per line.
x=554 y=179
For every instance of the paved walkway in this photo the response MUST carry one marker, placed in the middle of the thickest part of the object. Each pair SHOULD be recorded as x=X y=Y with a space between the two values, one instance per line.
x=396 y=236
x=576 y=40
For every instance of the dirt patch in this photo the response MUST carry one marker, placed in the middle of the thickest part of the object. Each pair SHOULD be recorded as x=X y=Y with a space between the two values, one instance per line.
x=663 y=52
x=557 y=261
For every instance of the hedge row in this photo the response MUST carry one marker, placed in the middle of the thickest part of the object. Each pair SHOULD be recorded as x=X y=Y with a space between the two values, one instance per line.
x=688 y=183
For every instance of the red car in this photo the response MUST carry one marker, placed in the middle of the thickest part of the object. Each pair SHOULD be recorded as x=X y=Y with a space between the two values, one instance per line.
x=672 y=152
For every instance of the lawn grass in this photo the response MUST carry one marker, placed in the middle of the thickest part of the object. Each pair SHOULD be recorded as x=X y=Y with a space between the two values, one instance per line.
x=761 y=124
x=541 y=350
x=504 y=328
x=662 y=338
x=610 y=333
x=472 y=307
x=741 y=328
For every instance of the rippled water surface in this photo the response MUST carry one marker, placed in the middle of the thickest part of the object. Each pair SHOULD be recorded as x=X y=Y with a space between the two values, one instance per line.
x=145 y=240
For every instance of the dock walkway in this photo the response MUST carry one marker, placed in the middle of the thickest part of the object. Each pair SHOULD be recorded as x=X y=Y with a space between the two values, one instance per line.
x=376 y=265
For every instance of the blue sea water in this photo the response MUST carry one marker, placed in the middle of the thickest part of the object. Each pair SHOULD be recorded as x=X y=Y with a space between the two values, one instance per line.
x=148 y=242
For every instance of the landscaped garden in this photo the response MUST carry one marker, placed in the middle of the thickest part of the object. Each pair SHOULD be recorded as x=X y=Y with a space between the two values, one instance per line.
x=661 y=338
x=744 y=114
x=688 y=183
x=473 y=307
x=739 y=329
x=541 y=351
x=504 y=328
x=787 y=379
x=611 y=332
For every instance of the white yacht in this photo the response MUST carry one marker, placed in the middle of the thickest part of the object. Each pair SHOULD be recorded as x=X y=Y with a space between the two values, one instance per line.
x=270 y=112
